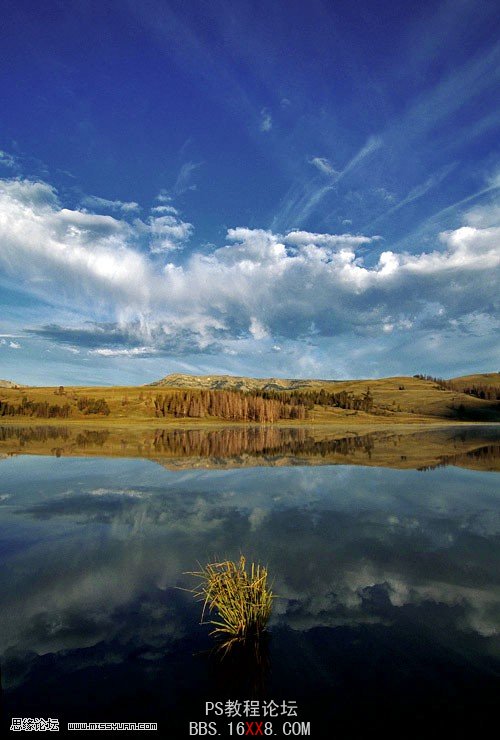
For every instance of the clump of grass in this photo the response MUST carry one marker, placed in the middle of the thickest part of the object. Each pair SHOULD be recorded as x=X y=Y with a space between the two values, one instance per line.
x=240 y=598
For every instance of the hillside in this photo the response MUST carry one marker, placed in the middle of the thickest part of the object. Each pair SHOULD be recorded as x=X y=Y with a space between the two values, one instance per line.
x=479 y=379
x=8 y=384
x=247 y=384
x=222 y=399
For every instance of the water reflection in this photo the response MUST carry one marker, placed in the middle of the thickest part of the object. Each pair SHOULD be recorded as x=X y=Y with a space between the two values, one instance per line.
x=389 y=586
x=241 y=446
x=243 y=669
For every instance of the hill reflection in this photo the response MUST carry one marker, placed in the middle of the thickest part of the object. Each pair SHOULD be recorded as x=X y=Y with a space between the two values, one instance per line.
x=476 y=447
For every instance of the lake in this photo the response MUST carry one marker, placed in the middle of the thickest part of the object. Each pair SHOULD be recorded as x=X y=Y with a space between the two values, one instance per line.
x=387 y=578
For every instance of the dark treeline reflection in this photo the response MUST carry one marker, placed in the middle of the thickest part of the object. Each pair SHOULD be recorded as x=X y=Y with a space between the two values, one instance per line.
x=256 y=441
x=474 y=447
x=486 y=455
x=24 y=435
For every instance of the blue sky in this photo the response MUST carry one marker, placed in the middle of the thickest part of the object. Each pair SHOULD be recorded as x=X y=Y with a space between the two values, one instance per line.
x=274 y=189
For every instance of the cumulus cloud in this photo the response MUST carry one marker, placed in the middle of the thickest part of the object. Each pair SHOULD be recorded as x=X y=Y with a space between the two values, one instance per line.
x=168 y=233
x=79 y=255
x=257 y=329
x=259 y=284
x=163 y=196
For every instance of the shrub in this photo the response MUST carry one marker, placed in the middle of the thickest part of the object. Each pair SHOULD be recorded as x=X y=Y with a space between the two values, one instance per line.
x=241 y=599
x=93 y=405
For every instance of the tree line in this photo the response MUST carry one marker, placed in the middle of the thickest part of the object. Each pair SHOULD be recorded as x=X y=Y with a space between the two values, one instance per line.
x=38 y=409
x=232 y=405
x=229 y=405
x=311 y=398
x=46 y=410
x=259 y=406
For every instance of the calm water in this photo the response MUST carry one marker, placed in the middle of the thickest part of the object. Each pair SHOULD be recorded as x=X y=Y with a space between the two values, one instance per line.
x=389 y=586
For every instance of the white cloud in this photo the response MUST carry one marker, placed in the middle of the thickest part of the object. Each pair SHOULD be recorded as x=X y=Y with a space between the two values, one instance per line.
x=122 y=492
x=260 y=285
x=29 y=192
x=7 y=160
x=266 y=122
x=385 y=195
x=415 y=193
x=323 y=165
x=252 y=246
x=169 y=233
x=303 y=198
x=257 y=329
x=72 y=350
x=183 y=182
x=93 y=201
x=134 y=352
x=372 y=144
x=165 y=209
x=84 y=256
x=163 y=197
x=327 y=240
x=11 y=344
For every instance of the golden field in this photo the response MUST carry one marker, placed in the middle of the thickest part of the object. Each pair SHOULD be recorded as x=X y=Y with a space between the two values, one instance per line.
x=397 y=400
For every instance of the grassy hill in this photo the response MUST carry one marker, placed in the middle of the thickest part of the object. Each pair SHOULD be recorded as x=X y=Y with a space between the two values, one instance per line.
x=478 y=379
x=395 y=400
x=8 y=384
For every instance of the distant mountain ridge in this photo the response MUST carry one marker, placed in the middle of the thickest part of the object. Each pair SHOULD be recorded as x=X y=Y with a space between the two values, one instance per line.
x=234 y=382
x=247 y=384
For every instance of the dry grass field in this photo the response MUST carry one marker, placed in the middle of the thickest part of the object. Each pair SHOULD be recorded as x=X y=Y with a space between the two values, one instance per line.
x=398 y=400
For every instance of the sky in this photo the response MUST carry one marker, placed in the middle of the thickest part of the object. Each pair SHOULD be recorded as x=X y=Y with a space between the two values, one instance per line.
x=275 y=189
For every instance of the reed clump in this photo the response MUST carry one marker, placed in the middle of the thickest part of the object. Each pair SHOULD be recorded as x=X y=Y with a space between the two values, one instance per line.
x=241 y=599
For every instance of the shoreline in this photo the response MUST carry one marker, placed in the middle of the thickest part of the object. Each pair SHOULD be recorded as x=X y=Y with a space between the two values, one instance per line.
x=223 y=446
x=193 y=423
